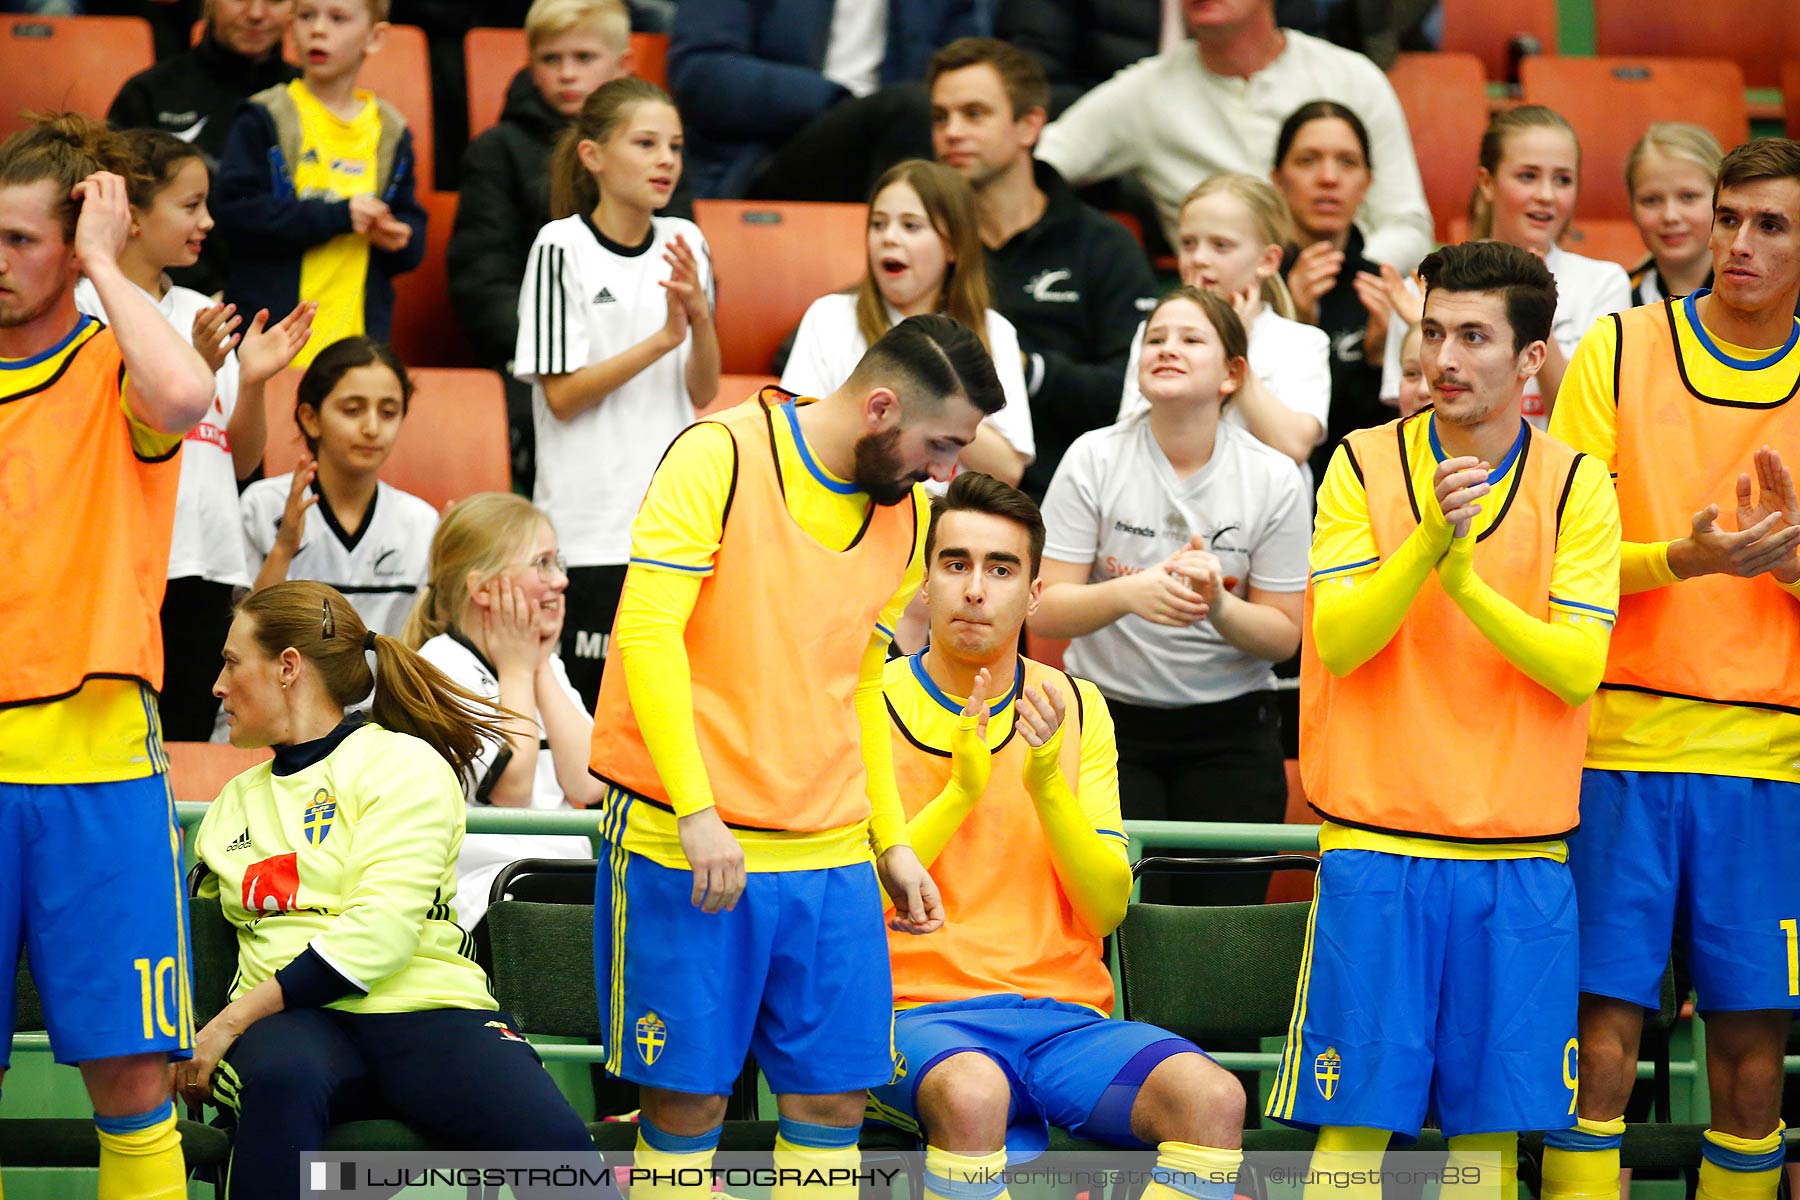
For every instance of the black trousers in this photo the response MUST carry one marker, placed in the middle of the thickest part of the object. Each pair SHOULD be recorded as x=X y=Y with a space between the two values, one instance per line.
x=840 y=155
x=1210 y=762
x=590 y=605
x=450 y=1071
x=196 y=616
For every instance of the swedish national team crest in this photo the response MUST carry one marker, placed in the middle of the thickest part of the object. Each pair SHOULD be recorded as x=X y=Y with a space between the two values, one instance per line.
x=317 y=820
x=652 y=1034
x=1327 y=1068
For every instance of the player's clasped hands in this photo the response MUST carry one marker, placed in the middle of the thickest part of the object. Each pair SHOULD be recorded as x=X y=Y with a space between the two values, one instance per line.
x=1039 y=713
x=1768 y=536
x=1460 y=483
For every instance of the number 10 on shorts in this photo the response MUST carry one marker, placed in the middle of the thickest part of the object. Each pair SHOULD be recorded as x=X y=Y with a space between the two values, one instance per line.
x=158 y=986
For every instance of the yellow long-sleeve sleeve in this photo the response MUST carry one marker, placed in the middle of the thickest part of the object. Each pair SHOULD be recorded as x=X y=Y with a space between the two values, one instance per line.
x=887 y=818
x=1094 y=875
x=1355 y=615
x=1566 y=654
x=648 y=642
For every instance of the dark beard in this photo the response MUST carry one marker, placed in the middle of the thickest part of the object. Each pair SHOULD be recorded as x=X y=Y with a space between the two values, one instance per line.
x=878 y=469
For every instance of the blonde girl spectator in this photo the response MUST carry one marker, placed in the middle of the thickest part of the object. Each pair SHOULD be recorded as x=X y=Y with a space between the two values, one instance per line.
x=1233 y=230
x=616 y=338
x=490 y=618
x=924 y=256
x=1670 y=175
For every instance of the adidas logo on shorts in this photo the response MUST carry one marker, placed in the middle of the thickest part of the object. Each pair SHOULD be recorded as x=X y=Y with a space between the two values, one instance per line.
x=603 y=297
x=240 y=842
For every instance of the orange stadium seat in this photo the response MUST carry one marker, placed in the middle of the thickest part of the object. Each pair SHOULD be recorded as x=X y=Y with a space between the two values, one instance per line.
x=1485 y=28
x=424 y=330
x=735 y=389
x=1610 y=101
x=491 y=57
x=1046 y=650
x=51 y=64
x=452 y=444
x=400 y=73
x=200 y=770
x=1790 y=97
x=771 y=260
x=1445 y=99
x=1756 y=34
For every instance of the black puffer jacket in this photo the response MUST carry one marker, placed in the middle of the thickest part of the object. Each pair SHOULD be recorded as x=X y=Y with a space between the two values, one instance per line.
x=505 y=201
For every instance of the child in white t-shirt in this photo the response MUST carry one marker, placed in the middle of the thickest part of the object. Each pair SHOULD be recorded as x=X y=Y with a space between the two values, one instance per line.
x=616 y=338
x=922 y=231
x=170 y=223
x=332 y=519
x=1233 y=229
x=1175 y=557
x=490 y=617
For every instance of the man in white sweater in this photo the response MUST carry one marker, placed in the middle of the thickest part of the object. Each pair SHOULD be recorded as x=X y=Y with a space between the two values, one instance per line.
x=1216 y=103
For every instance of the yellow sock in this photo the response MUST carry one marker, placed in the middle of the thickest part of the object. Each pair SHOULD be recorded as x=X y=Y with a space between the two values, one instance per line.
x=667 y=1166
x=1583 y=1163
x=953 y=1176
x=1735 y=1168
x=1346 y=1148
x=1467 y=1177
x=815 y=1162
x=140 y=1157
x=1185 y=1171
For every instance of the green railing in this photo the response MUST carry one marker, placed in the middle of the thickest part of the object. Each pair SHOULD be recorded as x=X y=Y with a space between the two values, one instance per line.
x=1212 y=837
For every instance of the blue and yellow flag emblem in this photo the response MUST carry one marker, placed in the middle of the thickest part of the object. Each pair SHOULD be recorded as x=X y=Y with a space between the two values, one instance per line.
x=1327 y=1068
x=315 y=823
x=652 y=1035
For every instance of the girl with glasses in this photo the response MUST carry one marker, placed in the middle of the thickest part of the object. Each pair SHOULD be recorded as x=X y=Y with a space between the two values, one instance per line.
x=490 y=617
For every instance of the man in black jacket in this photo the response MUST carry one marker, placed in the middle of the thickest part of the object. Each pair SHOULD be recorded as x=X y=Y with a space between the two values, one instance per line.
x=196 y=94
x=1072 y=281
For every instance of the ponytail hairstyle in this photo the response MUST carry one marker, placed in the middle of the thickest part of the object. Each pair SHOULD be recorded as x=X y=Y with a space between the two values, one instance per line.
x=1501 y=126
x=478 y=536
x=950 y=206
x=573 y=189
x=156 y=158
x=65 y=148
x=411 y=696
x=1273 y=220
x=333 y=363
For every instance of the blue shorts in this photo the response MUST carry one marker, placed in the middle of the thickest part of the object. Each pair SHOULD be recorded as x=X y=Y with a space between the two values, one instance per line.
x=1068 y=1065
x=1434 y=984
x=90 y=875
x=796 y=974
x=1707 y=859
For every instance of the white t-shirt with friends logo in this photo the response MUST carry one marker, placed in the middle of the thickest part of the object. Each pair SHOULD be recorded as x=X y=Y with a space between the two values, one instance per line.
x=1116 y=503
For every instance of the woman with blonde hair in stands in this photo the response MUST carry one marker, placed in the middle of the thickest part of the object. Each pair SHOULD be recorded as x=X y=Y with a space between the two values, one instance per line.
x=616 y=339
x=490 y=618
x=1234 y=230
x=364 y=995
x=924 y=256
x=1670 y=175
x=1525 y=194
